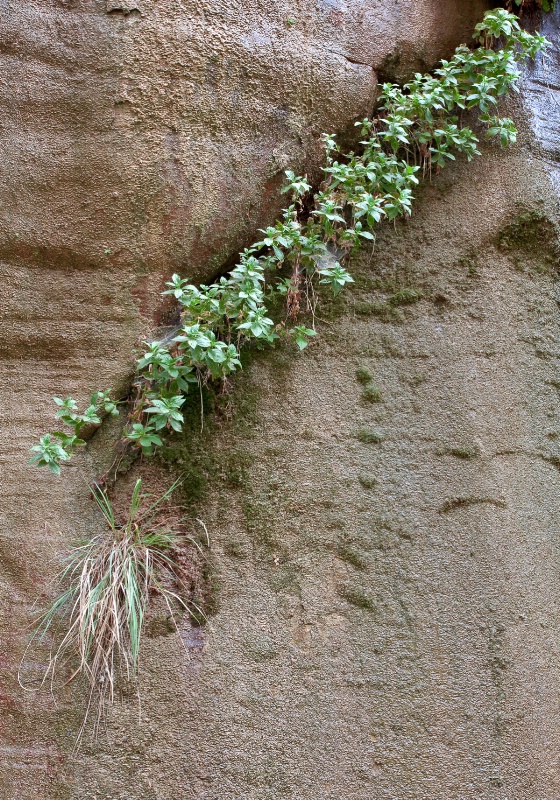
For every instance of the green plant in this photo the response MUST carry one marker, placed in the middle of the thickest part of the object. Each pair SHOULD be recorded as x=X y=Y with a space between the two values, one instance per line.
x=108 y=582
x=54 y=448
x=417 y=129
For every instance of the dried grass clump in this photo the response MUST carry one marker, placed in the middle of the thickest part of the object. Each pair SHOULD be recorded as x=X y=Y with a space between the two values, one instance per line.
x=109 y=581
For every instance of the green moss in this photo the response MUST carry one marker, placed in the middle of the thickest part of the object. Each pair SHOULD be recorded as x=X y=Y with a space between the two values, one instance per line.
x=205 y=601
x=380 y=309
x=160 y=626
x=369 y=437
x=404 y=297
x=283 y=578
x=347 y=552
x=465 y=502
x=236 y=548
x=463 y=452
x=553 y=459
x=371 y=394
x=363 y=375
x=190 y=452
x=469 y=262
x=533 y=238
x=356 y=596
x=236 y=469
x=332 y=307
x=259 y=521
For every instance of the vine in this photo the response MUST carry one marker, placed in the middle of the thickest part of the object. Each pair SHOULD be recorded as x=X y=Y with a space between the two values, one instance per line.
x=417 y=129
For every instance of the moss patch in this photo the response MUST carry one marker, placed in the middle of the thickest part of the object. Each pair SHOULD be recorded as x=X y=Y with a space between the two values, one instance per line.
x=380 y=309
x=369 y=437
x=464 y=453
x=356 y=596
x=351 y=555
x=371 y=394
x=533 y=241
x=404 y=297
x=465 y=502
x=363 y=376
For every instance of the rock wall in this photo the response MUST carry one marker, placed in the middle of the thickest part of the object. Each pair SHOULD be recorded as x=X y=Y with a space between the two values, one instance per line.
x=388 y=601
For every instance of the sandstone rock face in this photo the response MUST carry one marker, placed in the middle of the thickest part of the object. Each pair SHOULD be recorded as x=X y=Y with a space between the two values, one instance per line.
x=388 y=612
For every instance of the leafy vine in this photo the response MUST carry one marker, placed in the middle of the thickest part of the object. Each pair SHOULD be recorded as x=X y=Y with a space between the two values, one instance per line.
x=417 y=130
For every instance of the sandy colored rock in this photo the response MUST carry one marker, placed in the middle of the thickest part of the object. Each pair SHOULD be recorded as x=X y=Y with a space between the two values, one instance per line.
x=388 y=603
x=388 y=612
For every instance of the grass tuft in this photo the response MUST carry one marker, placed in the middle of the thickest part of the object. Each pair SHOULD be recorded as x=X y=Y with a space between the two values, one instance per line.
x=109 y=580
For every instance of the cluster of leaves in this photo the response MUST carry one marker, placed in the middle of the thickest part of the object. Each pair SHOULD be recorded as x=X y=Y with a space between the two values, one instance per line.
x=417 y=129
x=56 y=447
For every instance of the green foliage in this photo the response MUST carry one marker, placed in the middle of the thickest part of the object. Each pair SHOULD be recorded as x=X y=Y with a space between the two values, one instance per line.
x=55 y=448
x=417 y=130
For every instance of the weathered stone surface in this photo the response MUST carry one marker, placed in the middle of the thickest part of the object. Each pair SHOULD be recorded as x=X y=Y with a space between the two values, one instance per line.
x=159 y=132
x=542 y=90
x=389 y=604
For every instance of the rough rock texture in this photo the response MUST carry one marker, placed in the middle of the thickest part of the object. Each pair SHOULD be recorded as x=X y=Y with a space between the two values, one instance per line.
x=388 y=572
x=389 y=602
x=389 y=596
x=542 y=92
